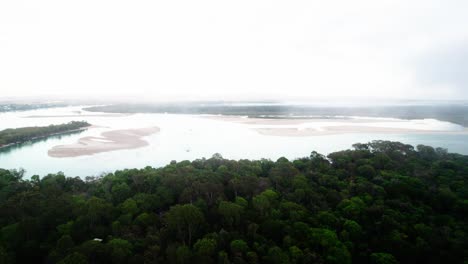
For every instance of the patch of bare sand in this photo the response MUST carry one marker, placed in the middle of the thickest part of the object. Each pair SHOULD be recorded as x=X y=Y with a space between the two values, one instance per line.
x=77 y=115
x=108 y=141
x=343 y=126
x=290 y=121
x=333 y=130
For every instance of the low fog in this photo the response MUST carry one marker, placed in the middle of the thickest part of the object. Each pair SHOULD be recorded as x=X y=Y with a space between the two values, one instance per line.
x=234 y=50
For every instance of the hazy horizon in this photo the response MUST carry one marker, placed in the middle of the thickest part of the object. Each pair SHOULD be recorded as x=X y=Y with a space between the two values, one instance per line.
x=242 y=50
x=304 y=101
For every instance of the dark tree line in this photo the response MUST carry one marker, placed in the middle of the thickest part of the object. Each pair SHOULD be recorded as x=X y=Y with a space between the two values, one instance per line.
x=23 y=134
x=383 y=202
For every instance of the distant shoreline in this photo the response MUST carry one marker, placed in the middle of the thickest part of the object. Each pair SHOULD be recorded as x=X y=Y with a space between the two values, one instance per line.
x=454 y=113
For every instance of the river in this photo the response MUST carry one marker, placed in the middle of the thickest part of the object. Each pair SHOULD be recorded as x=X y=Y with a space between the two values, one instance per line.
x=182 y=137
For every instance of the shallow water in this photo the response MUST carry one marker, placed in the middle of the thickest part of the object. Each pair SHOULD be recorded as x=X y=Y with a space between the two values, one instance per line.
x=186 y=137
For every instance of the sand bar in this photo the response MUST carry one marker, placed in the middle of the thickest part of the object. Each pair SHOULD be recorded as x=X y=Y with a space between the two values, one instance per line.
x=108 y=141
x=334 y=130
x=77 y=115
x=293 y=127
x=289 y=121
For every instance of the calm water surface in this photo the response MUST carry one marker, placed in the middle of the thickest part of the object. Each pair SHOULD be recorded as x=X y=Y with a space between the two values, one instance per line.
x=182 y=137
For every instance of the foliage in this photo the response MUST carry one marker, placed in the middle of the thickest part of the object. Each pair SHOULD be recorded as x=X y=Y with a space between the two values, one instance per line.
x=383 y=202
x=23 y=134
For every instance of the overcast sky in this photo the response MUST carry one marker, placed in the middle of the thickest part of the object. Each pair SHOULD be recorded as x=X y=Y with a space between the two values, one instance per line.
x=187 y=49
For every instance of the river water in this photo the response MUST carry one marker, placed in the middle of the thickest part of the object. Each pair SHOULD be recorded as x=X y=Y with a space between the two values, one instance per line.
x=184 y=137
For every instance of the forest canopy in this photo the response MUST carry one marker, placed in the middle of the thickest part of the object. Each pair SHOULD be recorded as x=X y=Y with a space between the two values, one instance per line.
x=381 y=202
x=23 y=134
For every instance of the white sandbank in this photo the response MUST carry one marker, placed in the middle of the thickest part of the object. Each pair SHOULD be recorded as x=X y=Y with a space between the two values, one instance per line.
x=108 y=141
x=329 y=126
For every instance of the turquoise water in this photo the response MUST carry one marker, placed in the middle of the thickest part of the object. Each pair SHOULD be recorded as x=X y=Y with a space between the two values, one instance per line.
x=182 y=137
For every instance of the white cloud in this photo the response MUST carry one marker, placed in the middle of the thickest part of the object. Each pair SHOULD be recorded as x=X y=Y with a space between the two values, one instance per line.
x=227 y=49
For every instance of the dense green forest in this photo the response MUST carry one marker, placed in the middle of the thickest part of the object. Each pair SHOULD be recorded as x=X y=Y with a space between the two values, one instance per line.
x=382 y=202
x=23 y=134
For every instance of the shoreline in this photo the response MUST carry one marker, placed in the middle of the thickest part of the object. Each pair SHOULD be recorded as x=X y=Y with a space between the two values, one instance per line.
x=108 y=141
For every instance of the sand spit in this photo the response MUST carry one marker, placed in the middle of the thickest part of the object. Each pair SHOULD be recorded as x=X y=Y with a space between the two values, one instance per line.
x=108 y=141
x=77 y=115
x=334 y=130
x=291 y=127
x=287 y=121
